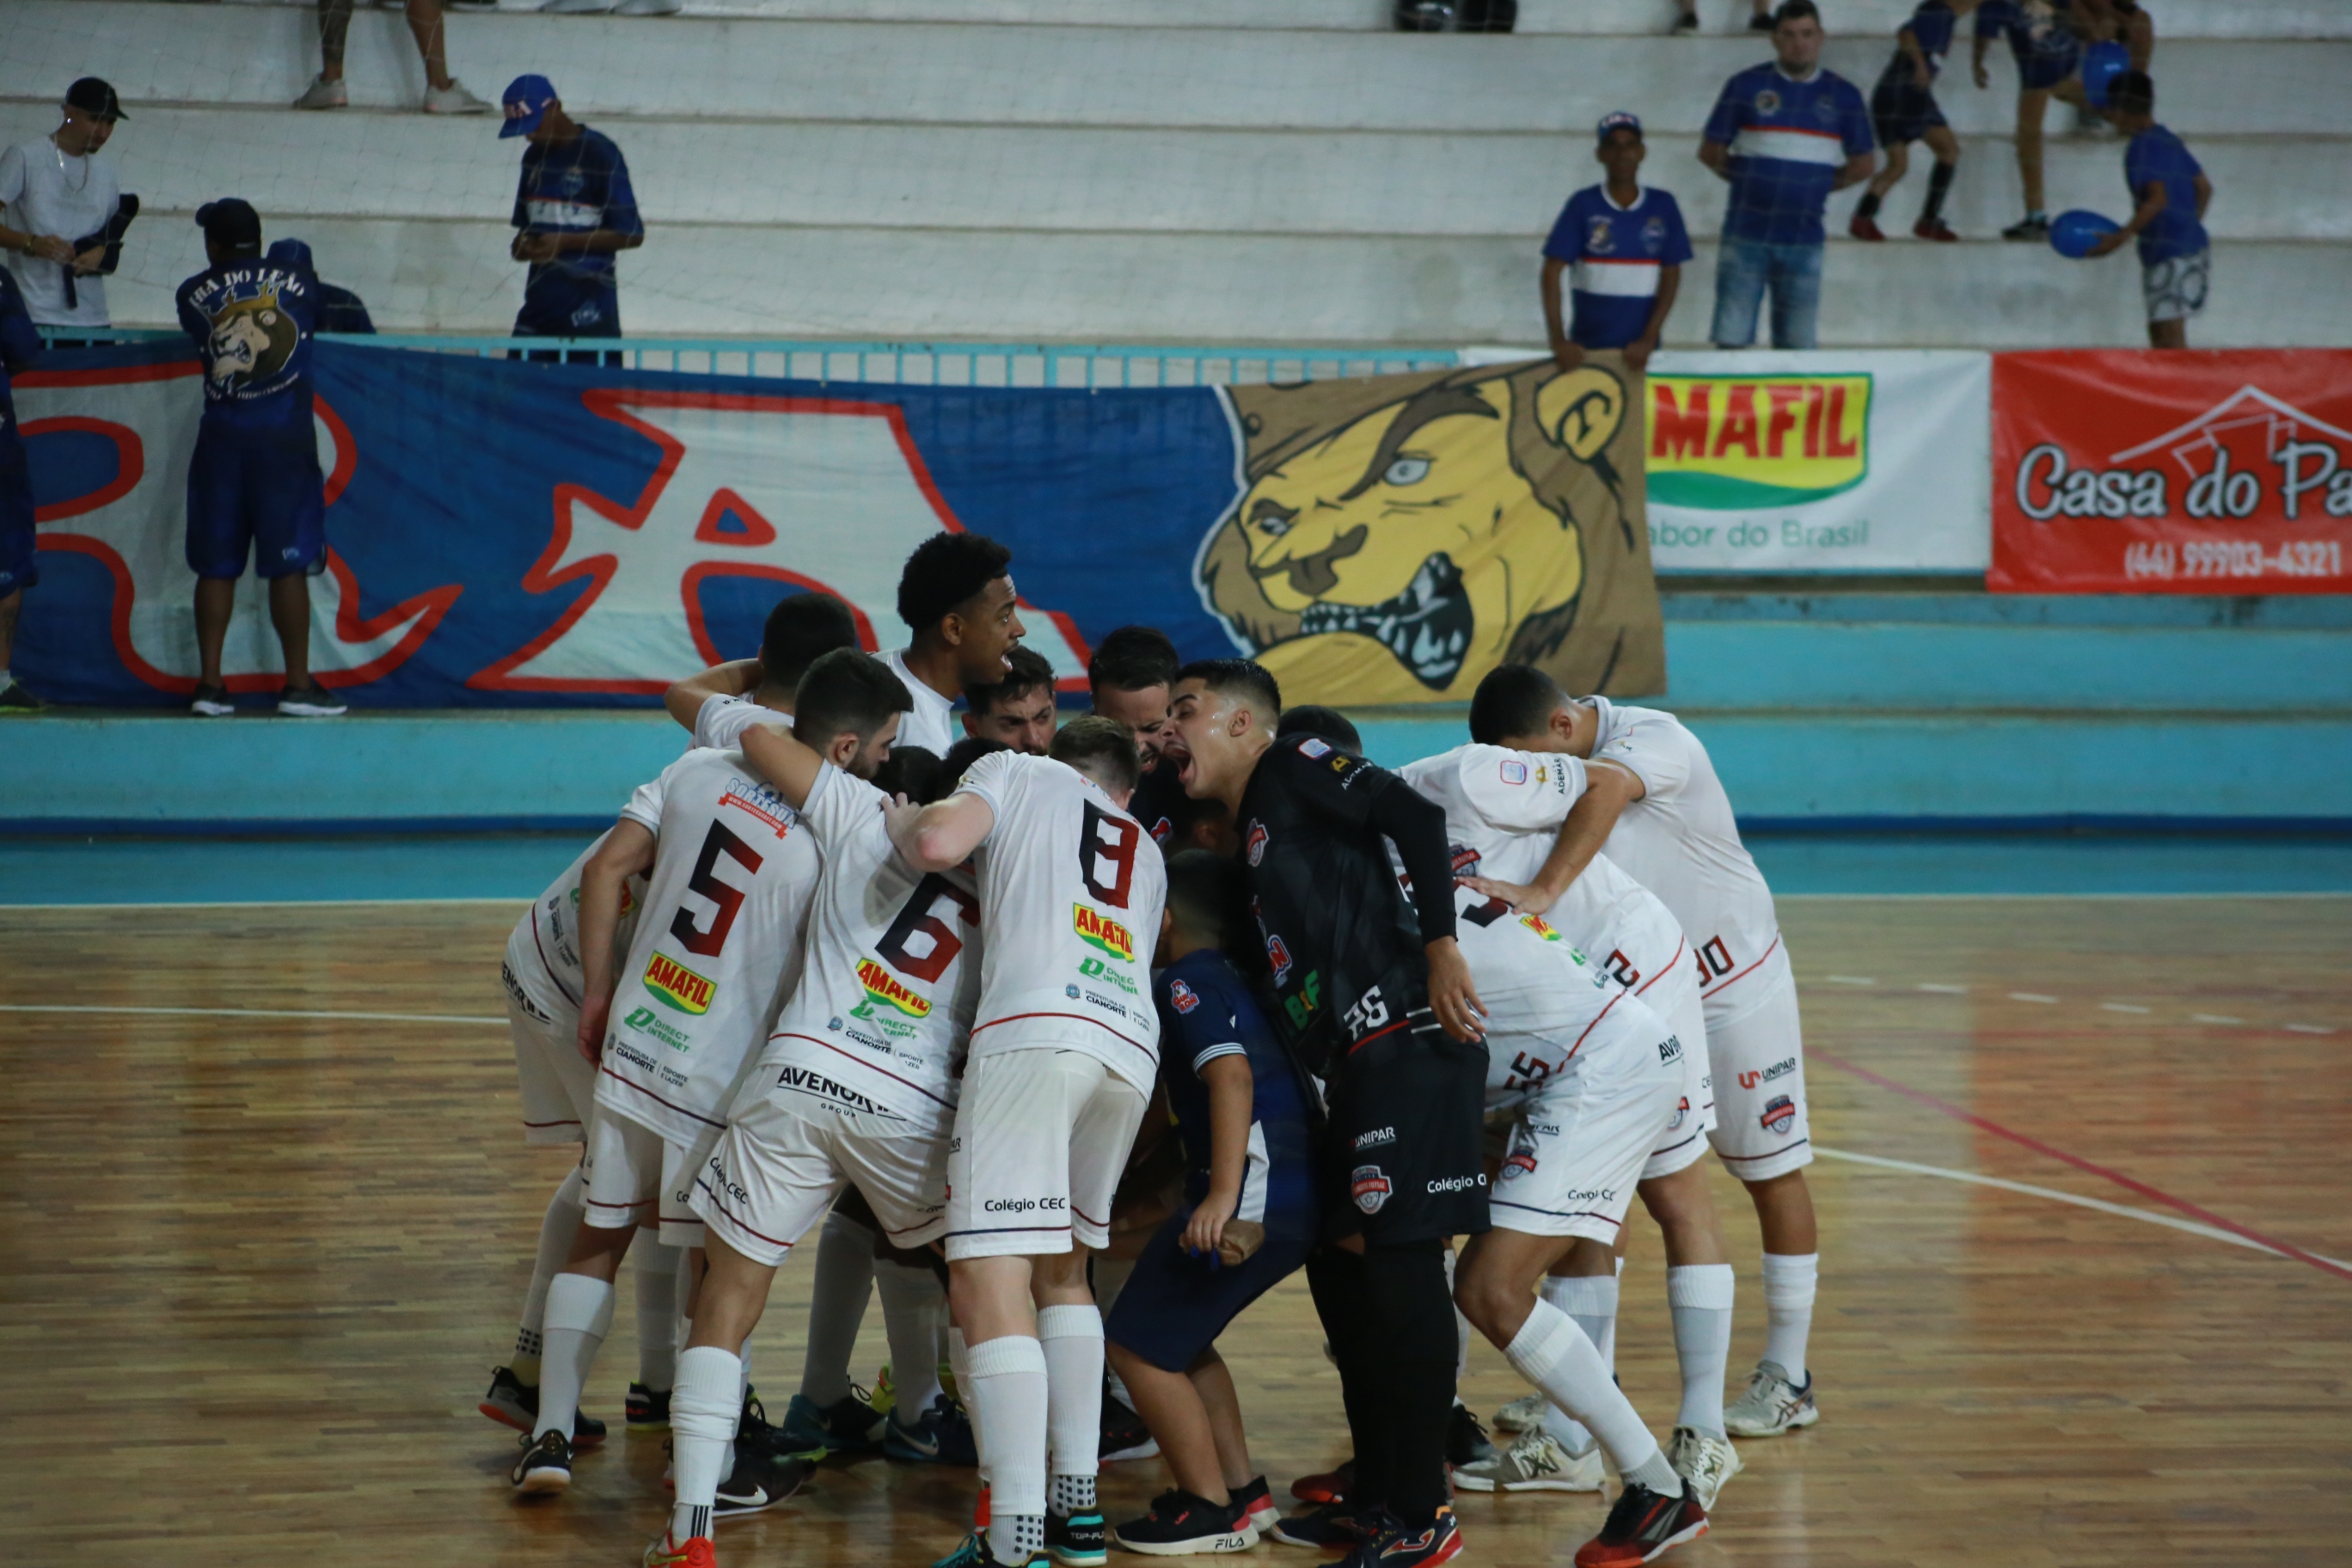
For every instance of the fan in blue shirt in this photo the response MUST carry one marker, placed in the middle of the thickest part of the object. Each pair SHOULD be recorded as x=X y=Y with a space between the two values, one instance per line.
x=1623 y=248
x=2171 y=192
x=20 y=344
x=574 y=209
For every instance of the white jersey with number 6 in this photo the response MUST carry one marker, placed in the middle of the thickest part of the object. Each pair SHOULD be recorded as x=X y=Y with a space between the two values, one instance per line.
x=1070 y=891
x=878 y=1025
x=719 y=943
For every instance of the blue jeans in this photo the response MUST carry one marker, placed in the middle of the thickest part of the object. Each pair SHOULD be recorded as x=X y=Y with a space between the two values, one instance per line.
x=1743 y=269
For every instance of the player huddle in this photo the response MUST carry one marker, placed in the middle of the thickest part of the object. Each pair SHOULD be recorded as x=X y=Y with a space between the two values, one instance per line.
x=945 y=997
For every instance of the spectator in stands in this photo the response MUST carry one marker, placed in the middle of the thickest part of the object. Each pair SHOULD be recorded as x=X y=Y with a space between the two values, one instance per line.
x=254 y=485
x=1627 y=245
x=1018 y=710
x=340 y=310
x=573 y=211
x=444 y=93
x=1786 y=135
x=2046 y=39
x=1759 y=16
x=60 y=198
x=20 y=343
x=1904 y=110
x=2172 y=192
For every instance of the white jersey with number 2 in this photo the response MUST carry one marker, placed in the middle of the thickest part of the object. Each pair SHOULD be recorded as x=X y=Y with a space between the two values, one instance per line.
x=1070 y=892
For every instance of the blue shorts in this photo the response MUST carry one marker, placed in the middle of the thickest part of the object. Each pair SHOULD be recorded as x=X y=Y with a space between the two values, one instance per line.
x=260 y=494
x=2039 y=73
x=1174 y=1305
x=558 y=305
x=1902 y=113
x=19 y=566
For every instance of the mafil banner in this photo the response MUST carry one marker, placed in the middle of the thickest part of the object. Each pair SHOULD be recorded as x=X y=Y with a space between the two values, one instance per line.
x=1832 y=461
x=2189 y=472
x=505 y=534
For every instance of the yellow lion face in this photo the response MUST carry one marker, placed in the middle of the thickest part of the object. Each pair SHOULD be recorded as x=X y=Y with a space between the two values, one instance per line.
x=251 y=340
x=1416 y=527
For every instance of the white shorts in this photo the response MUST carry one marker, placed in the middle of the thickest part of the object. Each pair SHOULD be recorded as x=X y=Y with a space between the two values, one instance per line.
x=637 y=1177
x=1041 y=1139
x=778 y=1168
x=2175 y=288
x=1578 y=1148
x=558 y=1084
x=1758 y=1060
x=1673 y=994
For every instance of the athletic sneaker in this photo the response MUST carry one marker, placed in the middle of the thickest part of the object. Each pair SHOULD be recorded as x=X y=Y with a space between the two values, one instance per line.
x=1935 y=230
x=751 y=1425
x=1524 y=1414
x=453 y=100
x=1181 y=1524
x=545 y=1465
x=324 y=94
x=1256 y=1502
x=1333 y=1527
x=1703 y=1461
x=511 y=1403
x=2035 y=228
x=1866 y=228
x=1329 y=1486
x=16 y=700
x=696 y=1552
x=1403 y=1547
x=943 y=1436
x=1078 y=1539
x=211 y=702
x=1535 y=1462
x=310 y=701
x=848 y=1425
x=761 y=1479
x=1465 y=1440
x=1641 y=1527
x=1772 y=1405
x=647 y=1409
x=972 y=1552
x=1686 y=25
x=1124 y=1435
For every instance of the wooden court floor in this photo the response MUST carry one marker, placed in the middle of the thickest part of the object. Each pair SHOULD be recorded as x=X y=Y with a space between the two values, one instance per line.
x=256 y=1266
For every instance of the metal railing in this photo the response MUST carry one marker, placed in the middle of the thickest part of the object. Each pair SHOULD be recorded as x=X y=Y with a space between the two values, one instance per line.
x=1072 y=366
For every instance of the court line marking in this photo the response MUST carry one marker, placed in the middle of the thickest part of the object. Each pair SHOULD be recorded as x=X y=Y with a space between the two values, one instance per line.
x=1944 y=990
x=260 y=1013
x=2023 y=1140
x=2146 y=1216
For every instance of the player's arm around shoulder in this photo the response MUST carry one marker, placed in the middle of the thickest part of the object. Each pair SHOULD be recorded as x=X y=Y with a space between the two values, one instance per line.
x=734 y=678
x=943 y=835
x=627 y=851
x=784 y=760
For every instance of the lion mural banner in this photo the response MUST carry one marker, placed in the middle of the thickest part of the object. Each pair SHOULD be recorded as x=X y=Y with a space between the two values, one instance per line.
x=506 y=534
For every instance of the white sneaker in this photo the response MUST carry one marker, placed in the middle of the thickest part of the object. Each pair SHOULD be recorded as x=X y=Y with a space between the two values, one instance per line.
x=1537 y=1462
x=453 y=100
x=324 y=94
x=648 y=8
x=1772 y=1405
x=1524 y=1414
x=1703 y=1461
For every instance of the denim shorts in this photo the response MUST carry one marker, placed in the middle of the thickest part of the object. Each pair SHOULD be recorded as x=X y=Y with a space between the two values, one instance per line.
x=1744 y=269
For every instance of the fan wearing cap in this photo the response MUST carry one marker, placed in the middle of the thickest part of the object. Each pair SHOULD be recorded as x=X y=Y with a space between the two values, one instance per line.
x=1623 y=245
x=254 y=485
x=55 y=192
x=574 y=210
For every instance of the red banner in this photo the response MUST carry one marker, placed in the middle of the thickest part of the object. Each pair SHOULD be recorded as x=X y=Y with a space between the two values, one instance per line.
x=2126 y=471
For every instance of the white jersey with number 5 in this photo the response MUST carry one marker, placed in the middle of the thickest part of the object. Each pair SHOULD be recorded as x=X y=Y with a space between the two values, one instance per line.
x=717 y=945
x=1070 y=890
x=1681 y=841
x=878 y=1025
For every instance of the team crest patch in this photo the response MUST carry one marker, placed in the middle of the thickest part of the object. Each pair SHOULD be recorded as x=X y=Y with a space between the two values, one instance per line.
x=1099 y=931
x=1600 y=239
x=1255 y=847
x=1370 y=1187
x=1183 y=997
x=1520 y=1163
x=1311 y=747
x=1515 y=772
x=1780 y=1114
x=1681 y=1114
x=673 y=985
x=880 y=988
x=1768 y=102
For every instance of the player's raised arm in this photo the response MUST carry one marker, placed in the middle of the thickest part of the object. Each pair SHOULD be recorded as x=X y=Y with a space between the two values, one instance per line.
x=736 y=677
x=627 y=851
x=943 y=835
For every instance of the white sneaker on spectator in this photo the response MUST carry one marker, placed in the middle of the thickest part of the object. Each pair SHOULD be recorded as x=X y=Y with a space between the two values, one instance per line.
x=453 y=100
x=577 y=7
x=648 y=8
x=324 y=94
x=310 y=702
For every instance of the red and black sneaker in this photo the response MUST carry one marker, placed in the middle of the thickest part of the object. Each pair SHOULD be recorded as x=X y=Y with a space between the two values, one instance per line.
x=1934 y=228
x=1256 y=1503
x=1181 y=1524
x=1642 y=1528
x=1401 y=1546
x=1329 y=1486
x=1865 y=228
x=1333 y=1527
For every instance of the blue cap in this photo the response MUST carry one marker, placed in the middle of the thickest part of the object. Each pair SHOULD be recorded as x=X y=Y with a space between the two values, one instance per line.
x=528 y=98
x=1619 y=120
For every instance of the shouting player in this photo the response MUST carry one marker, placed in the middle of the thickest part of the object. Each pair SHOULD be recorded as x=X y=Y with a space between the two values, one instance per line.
x=1064 y=1054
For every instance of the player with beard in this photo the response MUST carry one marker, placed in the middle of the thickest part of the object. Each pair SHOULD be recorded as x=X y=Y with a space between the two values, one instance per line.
x=1374 y=995
x=1130 y=675
x=1016 y=711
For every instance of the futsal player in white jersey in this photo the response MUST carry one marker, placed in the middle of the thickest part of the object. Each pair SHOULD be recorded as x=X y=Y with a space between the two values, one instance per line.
x=1667 y=822
x=1504 y=809
x=729 y=873
x=956 y=595
x=1063 y=1055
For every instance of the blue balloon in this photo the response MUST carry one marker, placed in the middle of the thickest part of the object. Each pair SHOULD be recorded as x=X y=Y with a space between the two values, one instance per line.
x=2072 y=234
x=2102 y=63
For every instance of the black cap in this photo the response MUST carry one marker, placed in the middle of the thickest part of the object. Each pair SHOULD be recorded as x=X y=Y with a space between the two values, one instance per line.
x=231 y=223
x=96 y=98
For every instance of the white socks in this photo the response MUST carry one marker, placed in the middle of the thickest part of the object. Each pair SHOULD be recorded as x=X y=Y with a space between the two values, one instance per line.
x=565 y=1210
x=913 y=1308
x=658 y=1311
x=959 y=1363
x=702 y=1412
x=1009 y=1401
x=1590 y=1301
x=1071 y=1339
x=1699 y=1295
x=578 y=1314
x=1551 y=1352
x=844 y=1278
x=1789 y=1281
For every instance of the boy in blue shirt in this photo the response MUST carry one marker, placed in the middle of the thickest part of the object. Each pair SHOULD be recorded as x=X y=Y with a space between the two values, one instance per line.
x=1626 y=245
x=20 y=344
x=574 y=210
x=2172 y=192
x=1786 y=135
x=1243 y=1116
x=254 y=485
x=1904 y=110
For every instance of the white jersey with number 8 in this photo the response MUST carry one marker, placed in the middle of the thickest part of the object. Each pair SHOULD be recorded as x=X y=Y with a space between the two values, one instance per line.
x=1070 y=892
